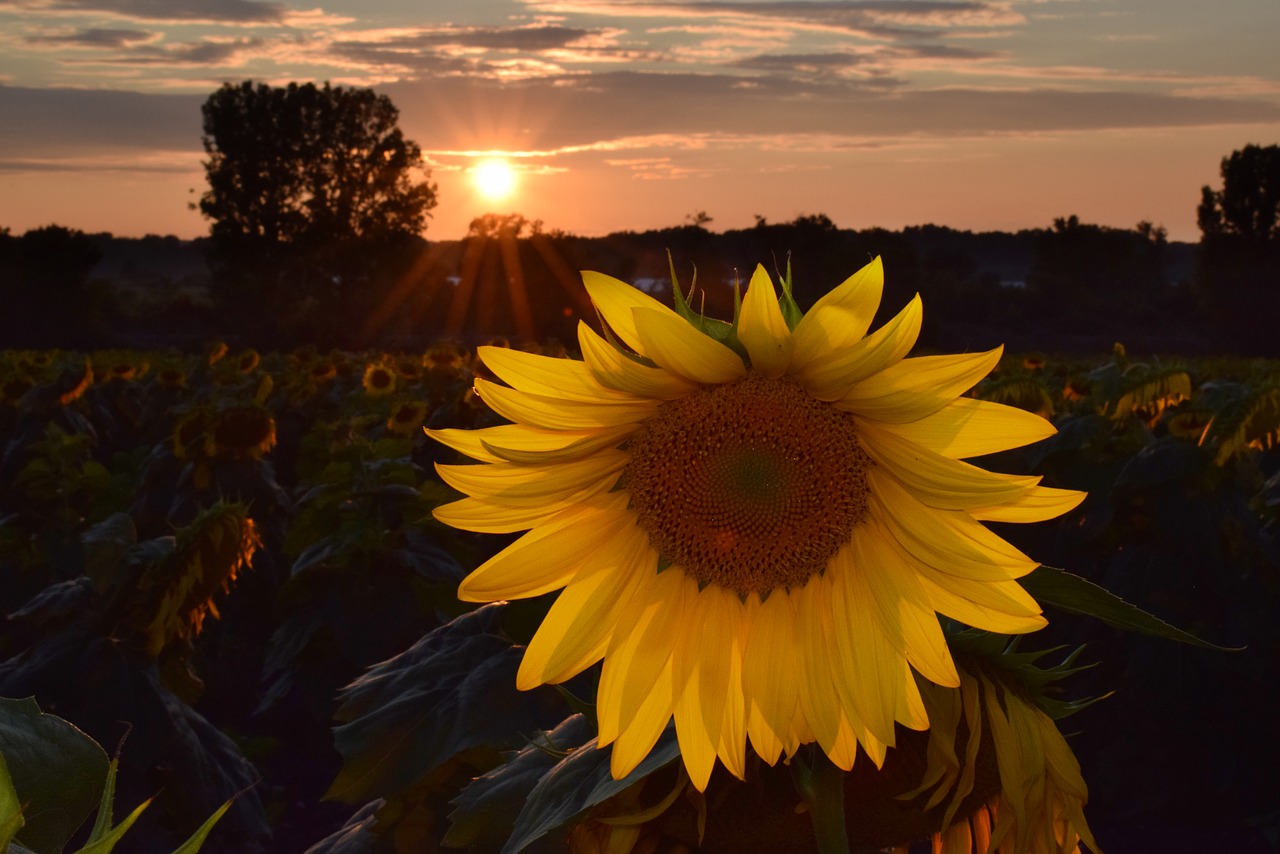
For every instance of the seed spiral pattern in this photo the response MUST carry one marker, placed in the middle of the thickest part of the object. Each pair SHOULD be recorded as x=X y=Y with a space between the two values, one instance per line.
x=752 y=486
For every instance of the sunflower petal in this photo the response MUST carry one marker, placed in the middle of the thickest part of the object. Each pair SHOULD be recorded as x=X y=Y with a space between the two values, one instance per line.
x=762 y=329
x=769 y=676
x=547 y=557
x=902 y=605
x=967 y=427
x=700 y=679
x=521 y=485
x=616 y=301
x=563 y=379
x=618 y=371
x=1038 y=505
x=681 y=349
x=535 y=410
x=645 y=726
x=835 y=376
x=940 y=481
x=947 y=540
x=576 y=631
x=916 y=387
x=640 y=648
x=866 y=669
x=840 y=317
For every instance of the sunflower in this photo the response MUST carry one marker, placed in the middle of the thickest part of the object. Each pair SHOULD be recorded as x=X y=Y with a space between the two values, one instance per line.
x=406 y=418
x=378 y=380
x=754 y=532
x=1038 y=804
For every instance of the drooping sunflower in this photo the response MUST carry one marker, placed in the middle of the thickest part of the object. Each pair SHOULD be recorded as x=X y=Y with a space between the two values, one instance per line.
x=1039 y=799
x=755 y=532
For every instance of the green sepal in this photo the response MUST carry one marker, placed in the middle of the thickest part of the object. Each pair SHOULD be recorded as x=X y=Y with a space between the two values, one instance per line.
x=821 y=785
x=791 y=312
x=725 y=333
x=1076 y=595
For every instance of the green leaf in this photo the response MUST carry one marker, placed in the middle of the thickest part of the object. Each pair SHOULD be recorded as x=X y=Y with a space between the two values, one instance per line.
x=10 y=808
x=194 y=843
x=106 y=805
x=485 y=810
x=1076 y=595
x=108 y=842
x=56 y=770
x=453 y=690
x=578 y=782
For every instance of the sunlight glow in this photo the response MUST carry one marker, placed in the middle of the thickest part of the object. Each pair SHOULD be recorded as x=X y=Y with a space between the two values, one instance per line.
x=495 y=179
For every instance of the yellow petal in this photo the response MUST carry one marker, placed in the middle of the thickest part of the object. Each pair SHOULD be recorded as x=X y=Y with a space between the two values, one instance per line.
x=994 y=606
x=620 y=372
x=916 y=387
x=947 y=540
x=936 y=480
x=562 y=379
x=616 y=300
x=840 y=317
x=547 y=413
x=549 y=555
x=523 y=485
x=902 y=605
x=835 y=375
x=1039 y=504
x=866 y=671
x=700 y=680
x=641 y=648
x=494 y=517
x=830 y=721
x=971 y=428
x=770 y=677
x=645 y=726
x=733 y=730
x=762 y=329
x=577 y=628
x=681 y=349
x=521 y=444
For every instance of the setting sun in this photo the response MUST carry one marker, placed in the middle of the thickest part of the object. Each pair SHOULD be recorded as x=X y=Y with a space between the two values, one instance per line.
x=495 y=179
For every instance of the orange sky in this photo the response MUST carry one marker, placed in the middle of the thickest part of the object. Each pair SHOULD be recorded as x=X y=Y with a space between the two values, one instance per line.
x=979 y=115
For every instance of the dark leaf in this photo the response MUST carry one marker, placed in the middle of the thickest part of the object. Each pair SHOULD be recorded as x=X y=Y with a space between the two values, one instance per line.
x=453 y=690
x=1076 y=595
x=578 y=782
x=57 y=771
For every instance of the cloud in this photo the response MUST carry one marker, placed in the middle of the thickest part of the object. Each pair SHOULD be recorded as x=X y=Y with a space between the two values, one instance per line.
x=187 y=11
x=92 y=37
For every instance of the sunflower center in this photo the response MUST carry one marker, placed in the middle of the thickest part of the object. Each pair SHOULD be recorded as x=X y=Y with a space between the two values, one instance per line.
x=751 y=486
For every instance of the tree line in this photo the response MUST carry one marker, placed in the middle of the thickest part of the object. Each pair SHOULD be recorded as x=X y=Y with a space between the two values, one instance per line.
x=318 y=208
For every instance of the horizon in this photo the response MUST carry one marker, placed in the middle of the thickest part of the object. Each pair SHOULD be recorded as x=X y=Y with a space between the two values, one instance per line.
x=627 y=116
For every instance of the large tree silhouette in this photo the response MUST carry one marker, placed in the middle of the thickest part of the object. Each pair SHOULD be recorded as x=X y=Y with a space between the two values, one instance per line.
x=316 y=197
x=1239 y=272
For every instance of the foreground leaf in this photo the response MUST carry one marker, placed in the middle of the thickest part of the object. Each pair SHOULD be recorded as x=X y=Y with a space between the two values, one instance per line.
x=1076 y=595
x=453 y=690
x=57 y=772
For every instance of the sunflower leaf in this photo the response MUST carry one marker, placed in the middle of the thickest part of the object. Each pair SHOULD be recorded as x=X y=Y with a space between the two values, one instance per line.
x=1075 y=595
x=578 y=782
x=56 y=770
x=453 y=690
x=486 y=809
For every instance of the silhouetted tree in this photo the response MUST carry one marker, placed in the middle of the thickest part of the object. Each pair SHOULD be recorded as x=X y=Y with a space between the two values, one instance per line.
x=1238 y=278
x=317 y=201
x=46 y=291
x=1085 y=278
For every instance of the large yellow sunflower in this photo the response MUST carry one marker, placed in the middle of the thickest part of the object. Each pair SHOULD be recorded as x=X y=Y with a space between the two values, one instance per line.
x=756 y=536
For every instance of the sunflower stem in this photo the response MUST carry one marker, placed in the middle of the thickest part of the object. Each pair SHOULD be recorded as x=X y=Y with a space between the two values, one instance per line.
x=821 y=785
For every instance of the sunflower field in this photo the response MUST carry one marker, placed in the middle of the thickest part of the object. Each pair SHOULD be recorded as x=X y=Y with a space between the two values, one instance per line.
x=233 y=620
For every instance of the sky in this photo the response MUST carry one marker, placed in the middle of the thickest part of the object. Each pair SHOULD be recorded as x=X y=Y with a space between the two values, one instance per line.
x=620 y=115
